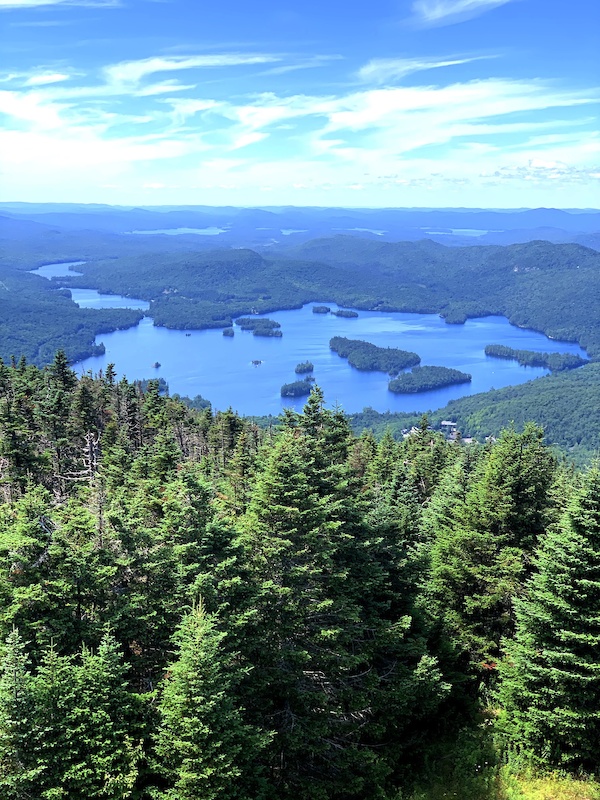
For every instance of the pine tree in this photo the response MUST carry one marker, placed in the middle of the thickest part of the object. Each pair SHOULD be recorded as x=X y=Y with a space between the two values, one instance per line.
x=204 y=748
x=482 y=548
x=551 y=686
x=341 y=673
x=19 y=770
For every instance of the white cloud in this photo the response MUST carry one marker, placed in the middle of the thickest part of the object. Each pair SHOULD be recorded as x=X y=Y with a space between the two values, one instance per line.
x=386 y=70
x=132 y=72
x=46 y=78
x=446 y=12
x=7 y=4
x=132 y=128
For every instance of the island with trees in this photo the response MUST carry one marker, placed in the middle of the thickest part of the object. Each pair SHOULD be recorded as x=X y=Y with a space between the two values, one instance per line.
x=321 y=309
x=304 y=367
x=300 y=388
x=228 y=332
x=369 y=357
x=346 y=313
x=260 y=326
x=556 y=362
x=424 y=379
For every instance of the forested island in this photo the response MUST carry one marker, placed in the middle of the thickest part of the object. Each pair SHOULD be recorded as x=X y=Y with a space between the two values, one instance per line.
x=556 y=362
x=228 y=332
x=424 y=379
x=346 y=313
x=260 y=326
x=300 y=388
x=321 y=309
x=303 y=367
x=367 y=356
x=195 y=607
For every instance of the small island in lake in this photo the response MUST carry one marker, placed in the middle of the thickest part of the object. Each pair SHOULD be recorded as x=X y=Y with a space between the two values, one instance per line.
x=369 y=357
x=297 y=388
x=321 y=309
x=557 y=362
x=303 y=367
x=260 y=326
x=228 y=332
x=346 y=313
x=156 y=364
x=273 y=332
x=424 y=379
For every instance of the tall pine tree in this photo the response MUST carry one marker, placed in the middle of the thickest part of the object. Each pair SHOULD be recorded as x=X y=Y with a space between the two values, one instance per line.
x=551 y=686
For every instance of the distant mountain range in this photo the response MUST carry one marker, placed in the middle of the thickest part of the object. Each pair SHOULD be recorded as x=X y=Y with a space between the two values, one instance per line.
x=288 y=226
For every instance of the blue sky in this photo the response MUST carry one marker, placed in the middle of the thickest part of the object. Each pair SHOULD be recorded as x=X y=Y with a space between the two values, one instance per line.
x=387 y=103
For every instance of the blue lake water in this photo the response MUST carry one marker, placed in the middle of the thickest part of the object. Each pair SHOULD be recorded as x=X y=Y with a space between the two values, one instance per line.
x=89 y=298
x=58 y=270
x=211 y=231
x=220 y=368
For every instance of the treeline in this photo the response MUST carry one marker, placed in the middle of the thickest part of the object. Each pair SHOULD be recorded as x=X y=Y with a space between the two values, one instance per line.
x=529 y=358
x=194 y=607
x=366 y=356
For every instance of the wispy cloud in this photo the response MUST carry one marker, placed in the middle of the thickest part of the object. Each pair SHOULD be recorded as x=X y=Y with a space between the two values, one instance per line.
x=46 y=78
x=309 y=63
x=135 y=123
x=387 y=70
x=8 y=4
x=128 y=72
x=447 y=12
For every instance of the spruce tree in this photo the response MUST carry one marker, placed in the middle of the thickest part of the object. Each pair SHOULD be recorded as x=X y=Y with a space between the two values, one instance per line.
x=483 y=541
x=551 y=686
x=19 y=769
x=204 y=749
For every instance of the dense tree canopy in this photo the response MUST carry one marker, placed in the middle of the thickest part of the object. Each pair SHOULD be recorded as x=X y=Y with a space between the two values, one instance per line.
x=193 y=607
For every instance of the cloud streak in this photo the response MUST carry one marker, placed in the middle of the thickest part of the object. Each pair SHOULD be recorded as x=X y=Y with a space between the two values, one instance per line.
x=389 y=70
x=11 y=4
x=131 y=72
x=447 y=12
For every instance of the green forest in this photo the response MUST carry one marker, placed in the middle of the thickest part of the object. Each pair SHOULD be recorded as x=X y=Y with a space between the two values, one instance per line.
x=194 y=607
x=528 y=358
x=422 y=379
x=369 y=357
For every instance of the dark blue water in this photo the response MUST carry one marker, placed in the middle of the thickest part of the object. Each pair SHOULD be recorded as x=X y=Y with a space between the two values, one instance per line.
x=220 y=368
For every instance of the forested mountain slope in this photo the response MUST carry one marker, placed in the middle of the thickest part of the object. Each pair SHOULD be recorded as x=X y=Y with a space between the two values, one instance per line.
x=194 y=608
x=552 y=288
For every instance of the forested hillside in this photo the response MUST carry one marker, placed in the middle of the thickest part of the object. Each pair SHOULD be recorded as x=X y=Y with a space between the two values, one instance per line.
x=553 y=288
x=195 y=608
x=566 y=405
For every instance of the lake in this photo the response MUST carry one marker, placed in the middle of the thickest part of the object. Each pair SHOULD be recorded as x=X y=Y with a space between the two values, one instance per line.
x=62 y=270
x=220 y=368
x=88 y=298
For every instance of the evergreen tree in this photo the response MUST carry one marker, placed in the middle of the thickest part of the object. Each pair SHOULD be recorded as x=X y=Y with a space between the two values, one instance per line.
x=204 y=748
x=551 y=686
x=482 y=548
x=19 y=770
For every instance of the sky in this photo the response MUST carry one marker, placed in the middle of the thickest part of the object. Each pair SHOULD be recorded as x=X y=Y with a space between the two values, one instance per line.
x=388 y=103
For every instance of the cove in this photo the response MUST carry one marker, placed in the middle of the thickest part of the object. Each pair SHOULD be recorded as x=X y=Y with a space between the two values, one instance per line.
x=221 y=370
x=88 y=298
